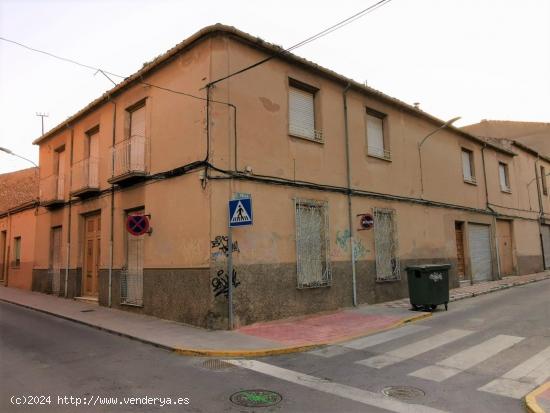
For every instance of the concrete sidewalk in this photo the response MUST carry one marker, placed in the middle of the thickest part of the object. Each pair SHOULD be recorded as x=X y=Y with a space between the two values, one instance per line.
x=260 y=339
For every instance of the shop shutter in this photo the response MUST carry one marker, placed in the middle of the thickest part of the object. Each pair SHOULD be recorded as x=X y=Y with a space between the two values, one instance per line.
x=480 y=252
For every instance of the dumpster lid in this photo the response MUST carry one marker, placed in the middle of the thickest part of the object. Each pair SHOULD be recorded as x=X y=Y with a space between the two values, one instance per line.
x=429 y=267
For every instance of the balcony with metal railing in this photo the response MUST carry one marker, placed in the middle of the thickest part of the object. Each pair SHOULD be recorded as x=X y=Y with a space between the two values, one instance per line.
x=52 y=190
x=85 y=178
x=130 y=159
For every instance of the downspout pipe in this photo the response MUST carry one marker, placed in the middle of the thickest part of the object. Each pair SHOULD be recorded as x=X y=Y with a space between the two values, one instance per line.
x=350 y=220
x=541 y=214
x=494 y=213
x=68 y=260
x=112 y=226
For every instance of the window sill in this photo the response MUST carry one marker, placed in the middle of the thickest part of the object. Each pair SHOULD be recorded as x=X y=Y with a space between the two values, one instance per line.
x=506 y=190
x=470 y=181
x=383 y=158
x=293 y=135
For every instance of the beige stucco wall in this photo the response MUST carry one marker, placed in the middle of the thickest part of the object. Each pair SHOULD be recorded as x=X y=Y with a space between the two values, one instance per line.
x=187 y=213
x=19 y=224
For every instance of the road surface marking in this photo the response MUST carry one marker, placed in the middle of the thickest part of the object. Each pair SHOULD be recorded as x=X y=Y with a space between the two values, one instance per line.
x=523 y=378
x=370 y=341
x=466 y=359
x=337 y=389
x=414 y=349
x=330 y=351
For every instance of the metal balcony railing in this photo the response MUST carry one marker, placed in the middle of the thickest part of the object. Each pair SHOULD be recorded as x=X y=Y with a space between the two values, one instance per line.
x=130 y=158
x=85 y=176
x=52 y=189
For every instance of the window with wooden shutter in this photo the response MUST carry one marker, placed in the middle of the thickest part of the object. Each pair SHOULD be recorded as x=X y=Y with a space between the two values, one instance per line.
x=376 y=145
x=301 y=113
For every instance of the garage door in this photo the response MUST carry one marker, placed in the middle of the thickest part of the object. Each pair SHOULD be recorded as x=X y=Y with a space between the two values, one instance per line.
x=546 y=244
x=480 y=251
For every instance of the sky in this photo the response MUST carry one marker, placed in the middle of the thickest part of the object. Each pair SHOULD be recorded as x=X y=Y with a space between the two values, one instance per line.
x=478 y=59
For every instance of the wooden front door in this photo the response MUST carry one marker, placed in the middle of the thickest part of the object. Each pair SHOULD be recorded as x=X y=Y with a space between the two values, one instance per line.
x=460 y=266
x=92 y=255
x=504 y=239
x=3 y=242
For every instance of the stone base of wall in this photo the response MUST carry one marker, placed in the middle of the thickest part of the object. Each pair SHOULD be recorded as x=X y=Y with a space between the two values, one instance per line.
x=269 y=291
x=74 y=283
x=41 y=281
x=528 y=264
x=174 y=294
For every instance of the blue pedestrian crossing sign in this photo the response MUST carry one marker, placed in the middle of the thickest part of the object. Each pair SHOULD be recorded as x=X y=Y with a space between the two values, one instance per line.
x=240 y=212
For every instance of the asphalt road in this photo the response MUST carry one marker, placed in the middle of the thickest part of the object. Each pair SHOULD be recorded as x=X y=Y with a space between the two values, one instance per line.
x=460 y=360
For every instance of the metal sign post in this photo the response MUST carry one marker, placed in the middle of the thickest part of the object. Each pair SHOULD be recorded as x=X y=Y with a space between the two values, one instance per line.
x=240 y=214
x=230 y=276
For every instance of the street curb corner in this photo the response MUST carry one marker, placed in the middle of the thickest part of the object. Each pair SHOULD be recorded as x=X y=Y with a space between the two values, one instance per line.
x=530 y=400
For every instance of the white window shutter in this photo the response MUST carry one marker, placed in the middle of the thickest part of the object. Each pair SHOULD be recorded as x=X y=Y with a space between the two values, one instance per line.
x=301 y=113
x=466 y=166
x=137 y=122
x=375 y=135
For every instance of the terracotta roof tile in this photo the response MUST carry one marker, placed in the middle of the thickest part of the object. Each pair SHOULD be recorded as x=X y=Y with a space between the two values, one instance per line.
x=18 y=188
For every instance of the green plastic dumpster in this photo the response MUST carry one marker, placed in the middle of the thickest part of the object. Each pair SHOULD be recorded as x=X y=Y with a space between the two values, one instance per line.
x=428 y=285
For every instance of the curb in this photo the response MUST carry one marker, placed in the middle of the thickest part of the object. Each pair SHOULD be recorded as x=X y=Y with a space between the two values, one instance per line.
x=288 y=350
x=499 y=288
x=195 y=352
x=530 y=400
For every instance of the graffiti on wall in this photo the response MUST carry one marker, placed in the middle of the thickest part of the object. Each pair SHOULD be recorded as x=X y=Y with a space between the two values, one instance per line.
x=221 y=244
x=220 y=283
x=342 y=242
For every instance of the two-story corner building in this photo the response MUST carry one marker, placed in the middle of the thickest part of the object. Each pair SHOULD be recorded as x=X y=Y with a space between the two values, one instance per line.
x=346 y=192
x=18 y=202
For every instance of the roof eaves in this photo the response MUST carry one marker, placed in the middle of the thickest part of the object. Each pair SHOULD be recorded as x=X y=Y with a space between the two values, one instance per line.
x=258 y=43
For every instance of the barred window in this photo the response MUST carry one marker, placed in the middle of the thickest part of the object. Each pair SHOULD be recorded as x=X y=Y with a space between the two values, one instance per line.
x=312 y=244
x=385 y=245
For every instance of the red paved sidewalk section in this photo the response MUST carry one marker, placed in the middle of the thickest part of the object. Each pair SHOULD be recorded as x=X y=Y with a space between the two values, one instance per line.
x=538 y=401
x=322 y=328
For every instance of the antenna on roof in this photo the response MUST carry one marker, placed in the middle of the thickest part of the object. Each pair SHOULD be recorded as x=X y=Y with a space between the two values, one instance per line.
x=42 y=115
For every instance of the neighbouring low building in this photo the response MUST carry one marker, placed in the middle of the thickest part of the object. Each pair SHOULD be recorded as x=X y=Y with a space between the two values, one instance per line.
x=346 y=191
x=18 y=202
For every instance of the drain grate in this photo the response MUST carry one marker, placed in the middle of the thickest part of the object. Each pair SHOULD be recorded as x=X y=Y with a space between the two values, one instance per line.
x=86 y=311
x=256 y=398
x=216 y=364
x=405 y=393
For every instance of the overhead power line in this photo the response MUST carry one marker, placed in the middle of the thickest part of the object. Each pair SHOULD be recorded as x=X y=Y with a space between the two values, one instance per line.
x=310 y=39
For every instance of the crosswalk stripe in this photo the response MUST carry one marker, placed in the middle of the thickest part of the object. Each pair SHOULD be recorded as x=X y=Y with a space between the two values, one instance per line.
x=380 y=338
x=466 y=359
x=414 y=349
x=522 y=378
x=337 y=389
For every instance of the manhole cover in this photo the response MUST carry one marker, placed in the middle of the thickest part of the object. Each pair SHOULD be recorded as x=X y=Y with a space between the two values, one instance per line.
x=216 y=364
x=403 y=392
x=256 y=398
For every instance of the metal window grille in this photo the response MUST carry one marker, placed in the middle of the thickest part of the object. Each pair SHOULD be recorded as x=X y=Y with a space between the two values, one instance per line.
x=386 y=245
x=131 y=278
x=312 y=244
